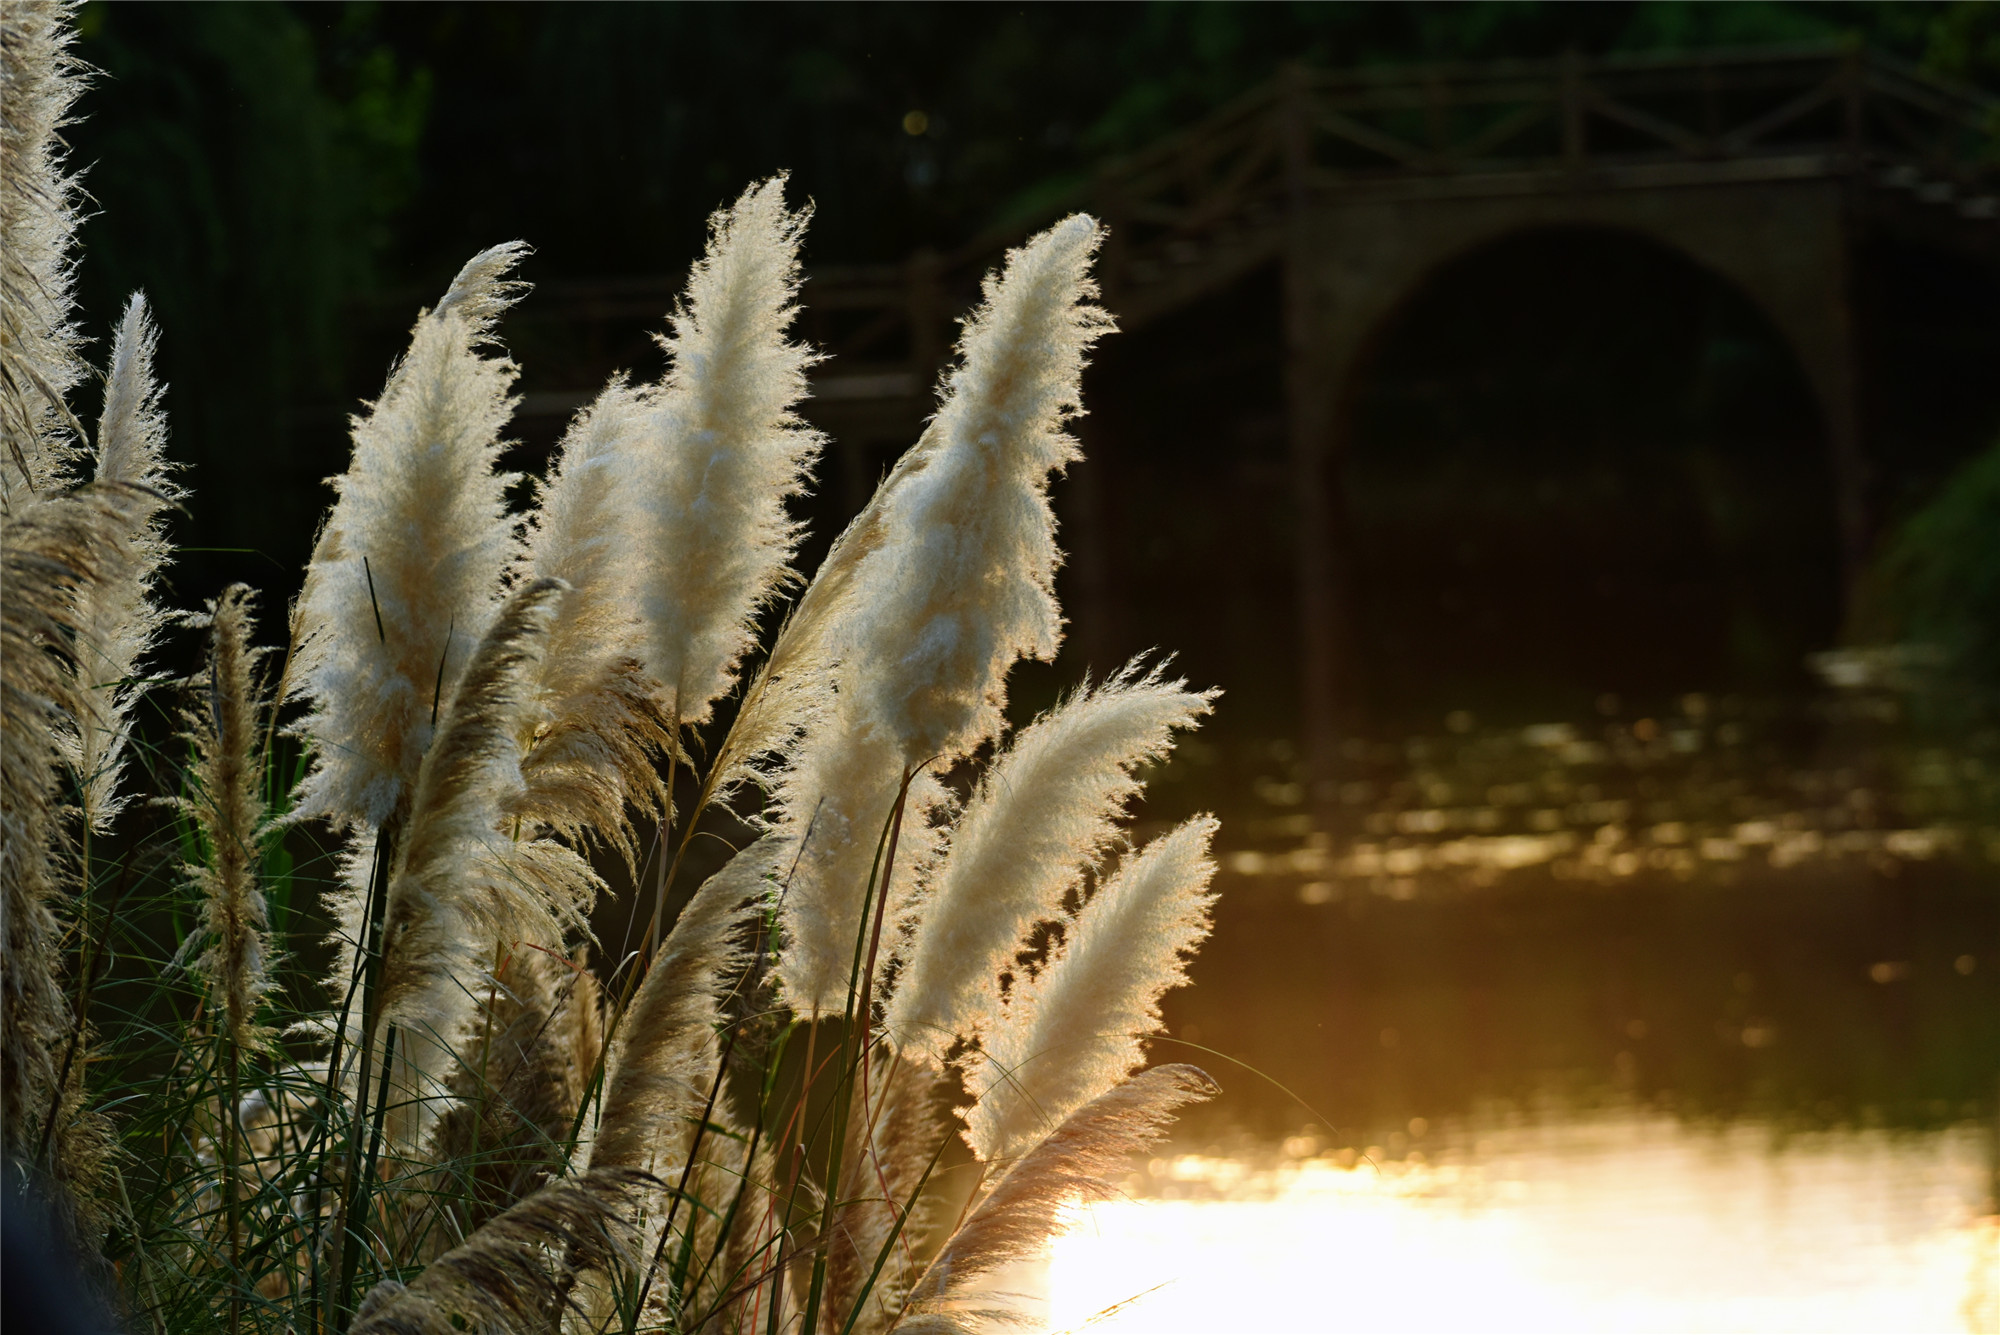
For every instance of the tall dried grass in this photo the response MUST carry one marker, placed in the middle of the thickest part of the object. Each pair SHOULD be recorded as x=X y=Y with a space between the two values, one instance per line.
x=461 y=1125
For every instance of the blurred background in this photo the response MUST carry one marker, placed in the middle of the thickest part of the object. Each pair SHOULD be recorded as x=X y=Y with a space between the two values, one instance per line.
x=1570 y=434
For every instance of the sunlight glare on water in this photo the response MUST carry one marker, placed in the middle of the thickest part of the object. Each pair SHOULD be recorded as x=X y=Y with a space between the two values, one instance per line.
x=1629 y=1223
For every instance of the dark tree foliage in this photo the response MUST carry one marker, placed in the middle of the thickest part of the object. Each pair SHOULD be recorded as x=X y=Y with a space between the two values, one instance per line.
x=248 y=178
x=1938 y=585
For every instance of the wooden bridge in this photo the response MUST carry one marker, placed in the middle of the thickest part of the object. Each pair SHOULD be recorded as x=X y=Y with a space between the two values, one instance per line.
x=1763 y=166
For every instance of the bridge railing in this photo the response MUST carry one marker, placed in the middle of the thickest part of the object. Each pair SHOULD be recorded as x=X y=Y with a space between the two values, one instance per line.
x=1209 y=202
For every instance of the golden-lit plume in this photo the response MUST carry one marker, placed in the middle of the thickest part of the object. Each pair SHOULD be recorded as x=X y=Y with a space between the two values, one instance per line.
x=1081 y=1160
x=601 y=724
x=48 y=550
x=949 y=580
x=964 y=583
x=517 y=1093
x=464 y=886
x=1045 y=811
x=790 y=689
x=711 y=542
x=888 y=1152
x=1075 y=1029
x=666 y=1053
x=117 y=618
x=837 y=796
x=513 y=1275
x=405 y=576
x=59 y=563
x=39 y=362
x=48 y=546
x=226 y=802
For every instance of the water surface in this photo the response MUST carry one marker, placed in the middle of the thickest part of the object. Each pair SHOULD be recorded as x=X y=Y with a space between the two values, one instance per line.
x=1621 y=1221
x=1765 y=1103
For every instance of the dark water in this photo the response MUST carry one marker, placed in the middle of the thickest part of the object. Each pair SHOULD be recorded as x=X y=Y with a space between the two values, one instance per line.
x=1823 y=996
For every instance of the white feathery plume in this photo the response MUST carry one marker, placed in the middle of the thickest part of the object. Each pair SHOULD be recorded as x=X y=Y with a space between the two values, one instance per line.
x=53 y=550
x=515 y=1273
x=1045 y=810
x=929 y=597
x=464 y=887
x=712 y=543
x=964 y=582
x=666 y=1054
x=1081 y=1160
x=574 y=537
x=39 y=361
x=1075 y=1029
x=838 y=793
x=405 y=577
x=50 y=547
x=117 y=619
x=601 y=724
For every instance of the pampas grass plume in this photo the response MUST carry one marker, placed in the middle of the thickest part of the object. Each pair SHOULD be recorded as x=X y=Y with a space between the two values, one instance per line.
x=49 y=550
x=711 y=541
x=1075 y=1029
x=1081 y=1160
x=600 y=723
x=951 y=578
x=1044 y=811
x=226 y=805
x=405 y=576
x=463 y=887
x=574 y=536
x=963 y=583
x=117 y=618
x=39 y=83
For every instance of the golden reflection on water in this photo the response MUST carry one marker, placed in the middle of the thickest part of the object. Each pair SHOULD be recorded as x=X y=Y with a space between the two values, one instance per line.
x=1629 y=1222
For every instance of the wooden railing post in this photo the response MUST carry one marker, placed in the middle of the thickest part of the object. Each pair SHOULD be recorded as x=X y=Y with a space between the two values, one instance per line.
x=1325 y=645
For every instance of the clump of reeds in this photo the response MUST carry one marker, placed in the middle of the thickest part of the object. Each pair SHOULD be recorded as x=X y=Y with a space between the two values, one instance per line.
x=746 y=1124
x=79 y=547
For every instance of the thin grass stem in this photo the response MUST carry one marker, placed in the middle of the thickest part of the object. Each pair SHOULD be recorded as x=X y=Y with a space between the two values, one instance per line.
x=895 y=1236
x=858 y=1023
x=86 y=990
x=233 y=1199
x=367 y=975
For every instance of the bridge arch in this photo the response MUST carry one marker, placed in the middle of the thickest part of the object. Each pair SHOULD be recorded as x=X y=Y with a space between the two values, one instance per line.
x=1529 y=388
x=1353 y=258
x=1785 y=248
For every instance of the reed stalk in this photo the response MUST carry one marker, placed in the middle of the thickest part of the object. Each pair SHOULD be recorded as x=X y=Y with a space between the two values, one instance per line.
x=367 y=980
x=482 y=696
